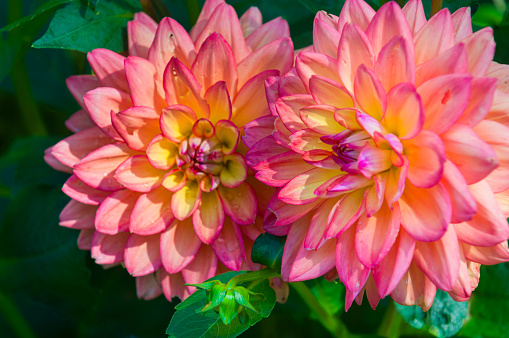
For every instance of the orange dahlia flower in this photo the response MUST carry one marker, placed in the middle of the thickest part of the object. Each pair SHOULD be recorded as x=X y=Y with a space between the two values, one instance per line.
x=389 y=146
x=159 y=178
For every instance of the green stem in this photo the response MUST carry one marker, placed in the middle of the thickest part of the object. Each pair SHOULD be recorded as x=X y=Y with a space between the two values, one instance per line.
x=193 y=9
x=250 y=276
x=19 y=75
x=330 y=322
x=13 y=317
x=436 y=6
x=391 y=322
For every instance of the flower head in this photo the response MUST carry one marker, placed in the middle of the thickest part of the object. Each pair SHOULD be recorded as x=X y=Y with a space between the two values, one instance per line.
x=389 y=148
x=159 y=180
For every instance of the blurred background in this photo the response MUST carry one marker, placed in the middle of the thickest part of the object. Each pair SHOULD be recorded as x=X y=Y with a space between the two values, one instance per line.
x=49 y=288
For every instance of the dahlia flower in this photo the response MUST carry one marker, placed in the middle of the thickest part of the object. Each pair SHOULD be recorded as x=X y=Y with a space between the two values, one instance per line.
x=159 y=180
x=389 y=147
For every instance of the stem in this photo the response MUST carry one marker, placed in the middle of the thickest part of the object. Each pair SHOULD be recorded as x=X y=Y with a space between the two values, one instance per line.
x=330 y=322
x=193 y=8
x=254 y=275
x=20 y=81
x=13 y=317
x=391 y=322
x=436 y=6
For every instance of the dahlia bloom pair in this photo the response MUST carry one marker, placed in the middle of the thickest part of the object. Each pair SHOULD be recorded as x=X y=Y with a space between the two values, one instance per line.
x=159 y=180
x=389 y=148
x=383 y=149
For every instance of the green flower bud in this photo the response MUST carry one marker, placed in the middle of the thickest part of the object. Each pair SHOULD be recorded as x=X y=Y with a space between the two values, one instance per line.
x=228 y=308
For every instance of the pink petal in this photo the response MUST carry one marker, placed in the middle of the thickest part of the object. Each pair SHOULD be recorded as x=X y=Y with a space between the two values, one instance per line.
x=329 y=92
x=215 y=62
x=440 y=260
x=425 y=213
x=288 y=213
x=318 y=225
x=344 y=214
x=463 y=203
x=209 y=218
x=375 y=236
x=137 y=126
x=396 y=182
x=354 y=50
x=277 y=55
x=173 y=285
x=277 y=170
x=414 y=13
x=394 y=265
x=487 y=255
x=250 y=101
x=308 y=64
x=79 y=85
x=136 y=173
x=202 y=267
x=270 y=31
x=388 y=22
x=151 y=213
x=140 y=33
x=292 y=245
x=461 y=19
x=224 y=21
x=300 y=190
x=148 y=287
x=480 y=49
x=108 y=66
x=262 y=150
x=395 y=63
x=239 y=203
x=288 y=108
x=405 y=115
x=321 y=119
x=250 y=21
x=208 y=8
x=76 y=215
x=445 y=98
x=85 y=239
x=185 y=200
x=501 y=73
x=462 y=289
x=489 y=225
x=76 y=189
x=481 y=98
x=100 y=102
x=219 y=102
x=114 y=213
x=325 y=38
x=97 y=169
x=179 y=245
x=497 y=136
x=373 y=160
x=426 y=157
x=356 y=11
x=182 y=88
x=171 y=40
x=289 y=84
x=351 y=271
x=436 y=36
x=74 y=148
x=453 y=60
x=229 y=246
x=258 y=129
x=141 y=75
x=415 y=288
x=369 y=93
x=108 y=249
x=79 y=121
x=311 y=264
x=141 y=255
x=475 y=158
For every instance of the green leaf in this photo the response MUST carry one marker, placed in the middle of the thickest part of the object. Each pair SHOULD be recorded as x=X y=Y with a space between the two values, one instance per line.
x=79 y=28
x=92 y=4
x=46 y=7
x=444 y=319
x=190 y=322
x=489 y=304
x=268 y=250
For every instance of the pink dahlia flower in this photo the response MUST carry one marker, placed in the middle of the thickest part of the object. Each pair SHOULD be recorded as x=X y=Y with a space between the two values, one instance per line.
x=159 y=180
x=389 y=146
